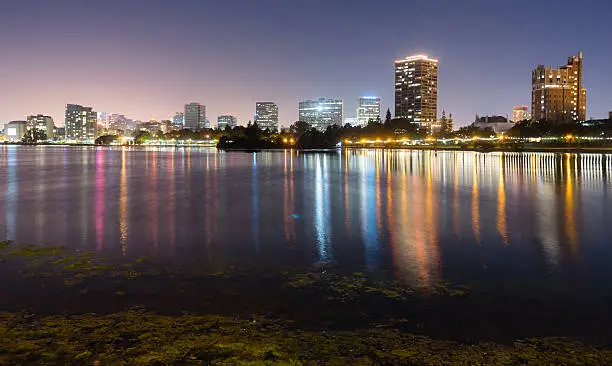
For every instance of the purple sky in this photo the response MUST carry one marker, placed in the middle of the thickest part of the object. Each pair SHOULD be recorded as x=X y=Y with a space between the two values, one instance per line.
x=147 y=58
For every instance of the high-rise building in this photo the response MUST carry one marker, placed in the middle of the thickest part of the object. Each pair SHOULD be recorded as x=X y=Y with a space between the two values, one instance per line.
x=368 y=109
x=80 y=123
x=321 y=113
x=557 y=94
x=416 y=90
x=195 y=116
x=42 y=122
x=520 y=113
x=178 y=119
x=266 y=115
x=226 y=121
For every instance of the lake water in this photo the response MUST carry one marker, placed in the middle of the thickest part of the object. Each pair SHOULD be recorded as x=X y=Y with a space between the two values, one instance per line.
x=420 y=217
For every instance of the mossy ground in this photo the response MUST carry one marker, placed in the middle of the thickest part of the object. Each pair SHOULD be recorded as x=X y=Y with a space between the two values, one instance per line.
x=103 y=316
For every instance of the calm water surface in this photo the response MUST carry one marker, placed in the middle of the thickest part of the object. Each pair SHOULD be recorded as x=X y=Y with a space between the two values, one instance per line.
x=417 y=216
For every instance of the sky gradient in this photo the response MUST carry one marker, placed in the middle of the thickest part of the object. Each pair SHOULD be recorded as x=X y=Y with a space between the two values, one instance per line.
x=147 y=58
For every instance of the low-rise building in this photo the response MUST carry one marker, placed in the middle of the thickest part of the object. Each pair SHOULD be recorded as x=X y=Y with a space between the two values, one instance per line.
x=14 y=131
x=499 y=124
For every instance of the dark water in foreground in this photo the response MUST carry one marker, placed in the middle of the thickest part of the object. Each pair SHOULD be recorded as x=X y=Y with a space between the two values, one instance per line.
x=417 y=216
x=529 y=234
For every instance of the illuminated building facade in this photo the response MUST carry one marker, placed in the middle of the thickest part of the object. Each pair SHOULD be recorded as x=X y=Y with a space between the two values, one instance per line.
x=178 y=119
x=226 y=121
x=368 y=109
x=80 y=123
x=416 y=90
x=195 y=116
x=42 y=122
x=321 y=113
x=15 y=130
x=521 y=113
x=266 y=115
x=557 y=94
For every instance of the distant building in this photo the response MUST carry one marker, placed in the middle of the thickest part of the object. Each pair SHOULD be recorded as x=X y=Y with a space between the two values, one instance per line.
x=226 y=121
x=416 y=90
x=119 y=122
x=353 y=121
x=14 y=131
x=520 y=113
x=266 y=116
x=42 y=122
x=321 y=113
x=103 y=119
x=80 y=123
x=610 y=115
x=195 y=116
x=557 y=94
x=368 y=109
x=178 y=119
x=498 y=124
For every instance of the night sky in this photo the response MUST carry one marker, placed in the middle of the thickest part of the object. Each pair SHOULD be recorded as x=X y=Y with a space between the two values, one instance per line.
x=147 y=58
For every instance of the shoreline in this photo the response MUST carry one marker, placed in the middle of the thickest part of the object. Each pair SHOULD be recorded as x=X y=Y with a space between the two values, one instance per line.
x=527 y=149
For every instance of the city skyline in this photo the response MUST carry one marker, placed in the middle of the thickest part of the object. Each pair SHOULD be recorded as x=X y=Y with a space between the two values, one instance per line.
x=145 y=79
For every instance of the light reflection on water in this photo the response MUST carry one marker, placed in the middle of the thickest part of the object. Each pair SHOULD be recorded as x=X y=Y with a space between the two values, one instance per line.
x=422 y=216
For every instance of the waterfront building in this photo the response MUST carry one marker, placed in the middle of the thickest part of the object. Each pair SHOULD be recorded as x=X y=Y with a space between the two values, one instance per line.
x=43 y=123
x=416 y=90
x=119 y=122
x=80 y=123
x=178 y=119
x=557 y=94
x=497 y=124
x=104 y=119
x=195 y=116
x=368 y=109
x=266 y=116
x=14 y=131
x=521 y=113
x=226 y=121
x=321 y=113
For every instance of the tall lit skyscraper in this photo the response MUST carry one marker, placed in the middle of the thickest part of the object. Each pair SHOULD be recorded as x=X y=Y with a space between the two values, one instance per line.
x=226 y=121
x=80 y=123
x=321 y=113
x=368 y=109
x=195 y=116
x=416 y=90
x=266 y=115
x=41 y=122
x=520 y=113
x=557 y=94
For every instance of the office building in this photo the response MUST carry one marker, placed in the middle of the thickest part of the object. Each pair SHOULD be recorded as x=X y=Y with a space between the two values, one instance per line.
x=43 y=123
x=178 y=119
x=80 y=123
x=14 y=131
x=416 y=90
x=266 y=116
x=368 y=109
x=226 y=121
x=520 y=113
x=321 y=113
x=195 y=116
x=104 y=119
x=557 y=94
